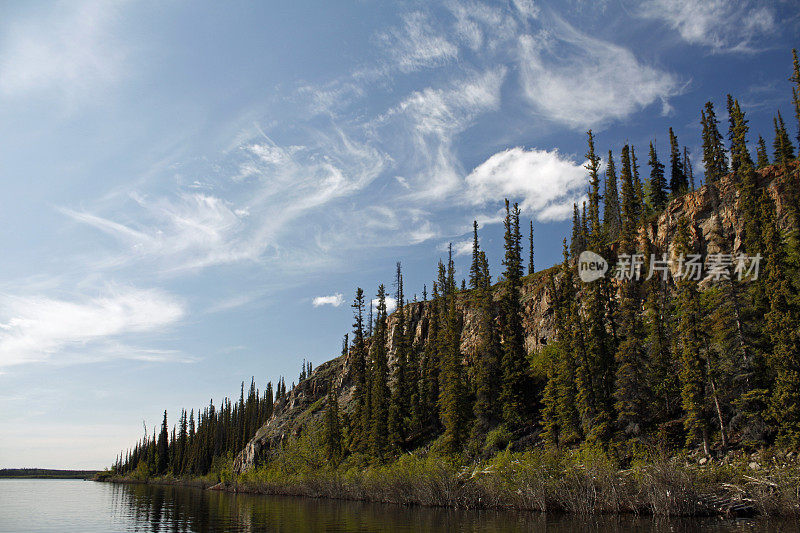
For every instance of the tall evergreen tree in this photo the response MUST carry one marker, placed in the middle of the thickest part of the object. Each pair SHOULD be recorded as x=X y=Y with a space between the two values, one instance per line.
x=475 y=269
x=163 y=448
x=379 y=397
x=454 y=407
x=740 y=156
x=782 y=329
x=678 y=184
x=637 y=184
x=761 y=153
x=487 y=357
x=612 y=221
x=593 y=166
x=689 y=334
x=530 y=250
x=714 y=159
x=514 y=359
x=359 y=430
x=783 y=151
x=578 y=242
x=400 y=407
x=630 y=201
x=796 y=91
x=657 y=191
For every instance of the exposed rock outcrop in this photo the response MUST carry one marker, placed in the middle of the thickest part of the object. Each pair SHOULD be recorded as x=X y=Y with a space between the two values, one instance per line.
x=716 y=226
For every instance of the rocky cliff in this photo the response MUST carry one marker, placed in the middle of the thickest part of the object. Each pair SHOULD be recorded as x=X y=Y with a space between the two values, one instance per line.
x=716 y=226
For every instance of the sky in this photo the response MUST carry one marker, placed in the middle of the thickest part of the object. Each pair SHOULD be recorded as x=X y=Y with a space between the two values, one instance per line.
x=190 y=192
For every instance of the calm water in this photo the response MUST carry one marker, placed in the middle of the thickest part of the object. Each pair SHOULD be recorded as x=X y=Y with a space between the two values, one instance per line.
x=82 y=506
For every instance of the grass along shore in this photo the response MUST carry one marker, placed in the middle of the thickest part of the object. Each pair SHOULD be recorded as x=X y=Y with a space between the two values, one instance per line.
x=581 y=481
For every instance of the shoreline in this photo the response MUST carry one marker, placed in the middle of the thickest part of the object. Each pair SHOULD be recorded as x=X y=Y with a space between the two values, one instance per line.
x=663 y=488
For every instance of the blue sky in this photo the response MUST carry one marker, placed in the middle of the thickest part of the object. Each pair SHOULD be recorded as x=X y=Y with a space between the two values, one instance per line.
x=191 y=192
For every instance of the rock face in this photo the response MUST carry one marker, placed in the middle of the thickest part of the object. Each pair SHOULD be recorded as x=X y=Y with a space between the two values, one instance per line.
x=715 y=226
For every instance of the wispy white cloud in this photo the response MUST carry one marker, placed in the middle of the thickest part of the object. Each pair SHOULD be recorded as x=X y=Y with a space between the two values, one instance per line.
x=38 y=328
x=584 y=82
x=431 y=119
x=274 y=186
x=334 y=300
x=547 y=182
x=416 y=44
x=72 y=49
x=721 y=25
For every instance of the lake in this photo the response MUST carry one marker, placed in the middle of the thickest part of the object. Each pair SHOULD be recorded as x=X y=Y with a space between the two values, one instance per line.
x=66 y=506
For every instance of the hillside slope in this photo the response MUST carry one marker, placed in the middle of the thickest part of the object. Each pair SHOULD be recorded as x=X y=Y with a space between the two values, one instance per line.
x=716 y=227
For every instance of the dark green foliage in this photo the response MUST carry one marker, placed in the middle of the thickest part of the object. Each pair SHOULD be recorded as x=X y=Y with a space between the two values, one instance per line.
x=637 y=184
x=762 y=159
x=578 y=242
x=657 y=194
x=795 y=78
x=593 y=166
x=379 y=383
x=783 y=151
x=530 y=250
x=678 y=184
x=612 y=220
x=453 y=403
x=740 y=156
x=487 y=357
x=514 y=359
x=400 y=406
x=689 y=348
x=714 y=159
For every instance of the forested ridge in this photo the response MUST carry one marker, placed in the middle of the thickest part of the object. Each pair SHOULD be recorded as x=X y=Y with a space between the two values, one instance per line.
x=707 y=365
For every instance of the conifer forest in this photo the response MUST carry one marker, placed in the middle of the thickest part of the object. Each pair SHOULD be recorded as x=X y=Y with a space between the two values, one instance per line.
x=646 y=357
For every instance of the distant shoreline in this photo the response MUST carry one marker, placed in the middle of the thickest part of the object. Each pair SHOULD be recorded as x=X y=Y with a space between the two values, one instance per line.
x=45 y=473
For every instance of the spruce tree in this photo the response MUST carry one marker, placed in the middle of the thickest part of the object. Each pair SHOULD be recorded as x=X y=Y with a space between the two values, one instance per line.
x=359 y=433
x=637 y=185
x=530 y=250
x=578 y=242
x=714 y=159
x=678 y=184
x=379 y=398
x=399 y=410
x=611 y=213
x=454 y=407
x=782 y=329
x=475 y=266
x=761 y=154
x=690 y=342
x=630 y=201
x=631 y=388
x=593 y=166
x=514 y=358
x=796 y=91
x=657 y=194
x=487 y=357
x=740 y=156
x=783 y=151
x=162 y=452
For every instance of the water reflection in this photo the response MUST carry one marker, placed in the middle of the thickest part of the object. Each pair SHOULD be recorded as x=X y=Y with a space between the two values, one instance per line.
x=176 y=509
